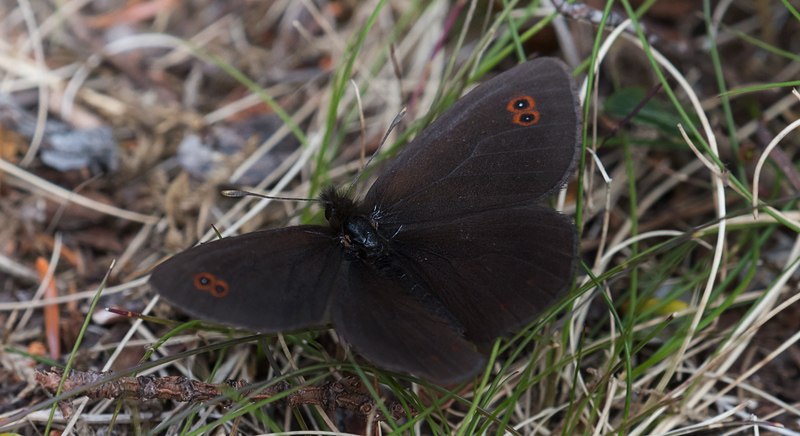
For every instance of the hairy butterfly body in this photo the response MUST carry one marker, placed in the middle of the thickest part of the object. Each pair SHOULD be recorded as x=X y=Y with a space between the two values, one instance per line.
x=449 y=249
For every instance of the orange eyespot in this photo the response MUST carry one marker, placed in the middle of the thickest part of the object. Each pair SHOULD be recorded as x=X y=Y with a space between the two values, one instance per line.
x=522 y=109
x=204 y=281
x=526 y=118
x=220 y=289
x=207 y=282
x=521 y=104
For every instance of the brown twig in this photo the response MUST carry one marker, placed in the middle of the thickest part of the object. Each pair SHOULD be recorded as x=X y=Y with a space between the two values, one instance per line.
x=347 y=393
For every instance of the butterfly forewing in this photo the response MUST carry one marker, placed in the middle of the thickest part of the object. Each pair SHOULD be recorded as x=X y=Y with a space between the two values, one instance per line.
x=513 y=139
x=272 y=281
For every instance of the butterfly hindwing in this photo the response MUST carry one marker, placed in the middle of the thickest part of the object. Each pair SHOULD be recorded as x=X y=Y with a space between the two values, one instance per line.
x=495 y=270
x=390 y=325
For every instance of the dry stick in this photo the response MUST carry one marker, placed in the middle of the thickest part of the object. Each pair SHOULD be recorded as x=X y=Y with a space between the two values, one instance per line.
x=347 y=393
x=61 y=195
x=581 y=12
x=448 y=25
x=778 y=155
x=44 y=93
x=772 y=145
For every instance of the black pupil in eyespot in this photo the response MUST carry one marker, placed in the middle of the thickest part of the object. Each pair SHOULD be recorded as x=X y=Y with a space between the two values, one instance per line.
x=527 y=118
x=204 y=280
x=521 y=104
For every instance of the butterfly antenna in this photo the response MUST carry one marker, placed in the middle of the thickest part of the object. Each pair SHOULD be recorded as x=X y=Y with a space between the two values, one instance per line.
x=237 y=193
x=394 y=124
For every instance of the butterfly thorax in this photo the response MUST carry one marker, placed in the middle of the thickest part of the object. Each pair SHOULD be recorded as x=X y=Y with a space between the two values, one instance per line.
x=351 y=223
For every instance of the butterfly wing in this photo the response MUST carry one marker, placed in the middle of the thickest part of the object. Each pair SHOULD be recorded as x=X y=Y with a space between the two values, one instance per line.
x=495 y=270
x=512 y=139
x=393 y=327
x=297 y=268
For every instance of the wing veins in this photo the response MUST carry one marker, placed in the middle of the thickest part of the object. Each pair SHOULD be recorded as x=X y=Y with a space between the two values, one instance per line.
x=475 y=154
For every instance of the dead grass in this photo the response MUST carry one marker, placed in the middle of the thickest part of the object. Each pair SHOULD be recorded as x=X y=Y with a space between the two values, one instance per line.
x=683 y=318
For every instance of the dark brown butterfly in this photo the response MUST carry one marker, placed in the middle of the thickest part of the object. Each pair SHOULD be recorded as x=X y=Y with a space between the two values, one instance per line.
x=451 y=247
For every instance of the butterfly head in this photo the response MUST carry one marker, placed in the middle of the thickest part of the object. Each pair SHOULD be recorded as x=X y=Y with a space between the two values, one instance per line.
x=338 y=208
